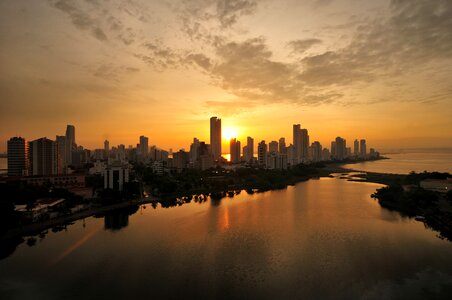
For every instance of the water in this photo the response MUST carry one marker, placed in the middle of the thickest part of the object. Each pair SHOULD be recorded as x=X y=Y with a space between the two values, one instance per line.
x=409 y=160
x=321 y=239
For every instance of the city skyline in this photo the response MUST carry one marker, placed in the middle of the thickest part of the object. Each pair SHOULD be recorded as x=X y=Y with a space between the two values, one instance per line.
x=158 y=69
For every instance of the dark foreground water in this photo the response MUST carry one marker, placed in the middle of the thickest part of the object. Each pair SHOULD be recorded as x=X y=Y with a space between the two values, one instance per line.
x=322 y=239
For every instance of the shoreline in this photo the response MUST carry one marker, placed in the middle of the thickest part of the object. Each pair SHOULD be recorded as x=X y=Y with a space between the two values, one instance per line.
x=174 y=199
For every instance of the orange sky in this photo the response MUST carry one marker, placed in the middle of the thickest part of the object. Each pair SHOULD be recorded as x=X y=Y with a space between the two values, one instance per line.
x=118 y=70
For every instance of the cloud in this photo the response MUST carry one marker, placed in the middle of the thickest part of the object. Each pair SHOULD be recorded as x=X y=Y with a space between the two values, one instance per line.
x=416 y=33
x=300 y=46
x=80 y=18
x=228 y=11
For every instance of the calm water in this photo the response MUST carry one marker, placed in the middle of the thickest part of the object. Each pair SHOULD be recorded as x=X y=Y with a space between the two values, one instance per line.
x=321 y=239
x=407 y=161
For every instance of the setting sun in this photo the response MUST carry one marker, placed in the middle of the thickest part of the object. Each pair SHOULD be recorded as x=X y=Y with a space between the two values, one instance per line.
x=229 y=133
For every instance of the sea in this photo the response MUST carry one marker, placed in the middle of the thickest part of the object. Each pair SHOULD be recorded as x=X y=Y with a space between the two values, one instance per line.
x=409 y=160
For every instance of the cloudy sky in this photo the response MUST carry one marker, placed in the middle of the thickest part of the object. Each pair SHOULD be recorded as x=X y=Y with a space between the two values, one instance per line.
x=118 y=69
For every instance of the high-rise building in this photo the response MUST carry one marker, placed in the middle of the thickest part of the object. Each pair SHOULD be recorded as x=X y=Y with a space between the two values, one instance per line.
x=304 y=145
x=235 y=151
x=62 y=160
x=273 y=146
x=17 y=156
x=363 y=148
x=143 y=146
x=297 y=144
x=215 y=137
x=107 y=147
x=356 y=148
x=282 y=146
x=315 y=151
x=194 y=151
x=42 y=157
x=70 y=142
x=262 y=153
x=341 y=148
x=249 y=154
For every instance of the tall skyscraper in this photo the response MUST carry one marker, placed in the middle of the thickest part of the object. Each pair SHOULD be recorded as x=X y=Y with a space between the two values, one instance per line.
x=282 y=146
x=215 y=137
x=143 y=146
x=363 y=148
x=316 y=151
x=297 y=143
x=235 y=151
x=262 y=153
x=70 y=142
x=194 y=151
x=17 y=156
x=304 y=144
x=61 y=148
x=341 y=148
x=273 y=147
x=106 y=147
x=43 y=157
x=249 y=154
x=356 y=147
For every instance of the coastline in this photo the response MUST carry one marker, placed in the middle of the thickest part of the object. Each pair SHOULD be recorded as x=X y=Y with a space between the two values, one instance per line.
x=177 y=198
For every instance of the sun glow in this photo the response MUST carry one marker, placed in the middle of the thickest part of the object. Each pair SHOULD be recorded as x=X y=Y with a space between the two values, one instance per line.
x=229 y=133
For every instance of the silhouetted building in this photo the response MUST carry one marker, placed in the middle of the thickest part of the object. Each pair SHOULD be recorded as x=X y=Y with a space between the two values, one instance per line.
x=194 y=151
x=235 y=151
x=356 y=148
x=180 y=159
x=297 y=144
x=315 y=151
x=70 y=142
x=17 y=157
x=262 y=153
x=248 y=153
x=42 y=157
x=341 y=148
x=62 y=161
x=282 y=146
x=363 y=148
x=215 y=137
x=273 y=146
x=143 y=146
x=107 y=148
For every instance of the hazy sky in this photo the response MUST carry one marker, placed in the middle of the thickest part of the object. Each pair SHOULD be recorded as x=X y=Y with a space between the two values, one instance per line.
x=120 y=69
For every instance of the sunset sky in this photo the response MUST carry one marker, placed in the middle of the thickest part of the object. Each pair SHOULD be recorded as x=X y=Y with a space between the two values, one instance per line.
x=380 y=70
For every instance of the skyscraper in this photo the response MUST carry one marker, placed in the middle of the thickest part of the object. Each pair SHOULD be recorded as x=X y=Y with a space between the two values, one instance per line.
x=235 y=151
x=297 y=143
x=42 y=157
x=70 y=142
x=304 y=144
x=143 y=146
x=356 y=147
x=273 y=147
x=17 y=156
x=215 y=137
x=249 y=154
x=341 y=150
x=262 y=153
x=282 y=146
x=61 y=148
x=363 y=148
x=106 y=147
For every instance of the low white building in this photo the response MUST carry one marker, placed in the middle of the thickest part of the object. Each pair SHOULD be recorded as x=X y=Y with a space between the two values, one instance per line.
x=115 y=175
